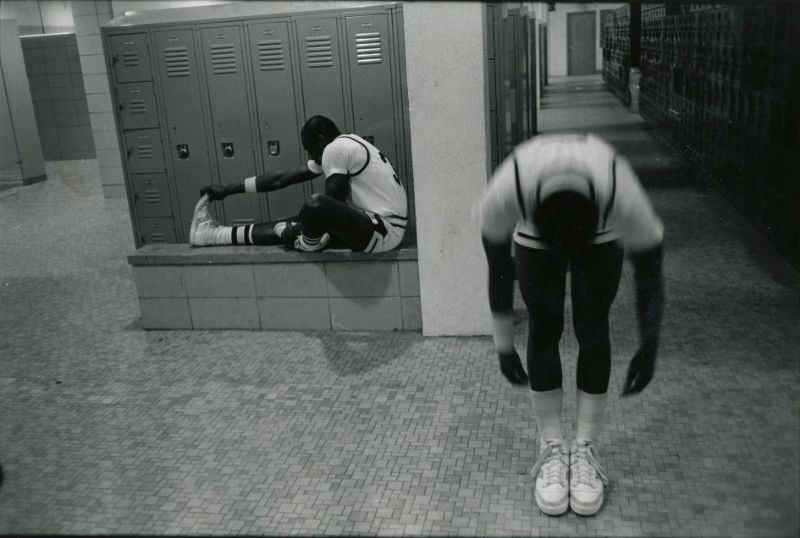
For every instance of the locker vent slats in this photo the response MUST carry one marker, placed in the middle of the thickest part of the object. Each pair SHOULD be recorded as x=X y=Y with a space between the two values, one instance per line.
x=319 y=52
x=144 y=151
x=368 y=48
x=137 y=106
x=223 y=59
x=270 y=55
x=130 y=58
x=152 y=196
x=177 y=61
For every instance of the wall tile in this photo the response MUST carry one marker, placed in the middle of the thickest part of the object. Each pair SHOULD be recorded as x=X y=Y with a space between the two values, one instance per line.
x=412 y=314
x=409 y=278
x=290 y=280
x=86 y=24
x=96 y=83
x=103 y=121
x=160 y=281
x=224 y=313
x=114 y=191
x=220 y=281
x=92 y=64
x=294 y=313
x=99 y=102
x=161 y=313
x=366 y=313
x=362 y=279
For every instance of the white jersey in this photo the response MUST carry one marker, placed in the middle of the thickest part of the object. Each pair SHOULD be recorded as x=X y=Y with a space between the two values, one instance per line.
x=584 y=163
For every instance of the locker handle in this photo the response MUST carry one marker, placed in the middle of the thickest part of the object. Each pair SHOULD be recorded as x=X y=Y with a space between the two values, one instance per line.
x=183 y=151
x=227 y=149
x=274 y=147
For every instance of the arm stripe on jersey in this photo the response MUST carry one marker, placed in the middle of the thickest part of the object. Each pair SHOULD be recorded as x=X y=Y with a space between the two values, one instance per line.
x=365 y=149
x=611 y=198
x=519 y=187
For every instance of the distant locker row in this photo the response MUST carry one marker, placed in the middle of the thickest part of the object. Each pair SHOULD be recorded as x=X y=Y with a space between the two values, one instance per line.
x=217 y=101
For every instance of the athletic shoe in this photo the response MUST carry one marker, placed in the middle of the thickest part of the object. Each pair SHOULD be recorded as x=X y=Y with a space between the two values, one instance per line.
x=204 y=229
x=587 y=479
x=310 y=244
x=552 y=485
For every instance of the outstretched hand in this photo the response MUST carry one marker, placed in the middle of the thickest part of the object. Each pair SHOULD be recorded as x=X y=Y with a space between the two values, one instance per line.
x=214 y=192
x=640 y=371
x=511 y=367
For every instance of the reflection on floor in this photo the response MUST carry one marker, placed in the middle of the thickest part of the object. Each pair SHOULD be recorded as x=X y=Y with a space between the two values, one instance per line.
x=105 y=428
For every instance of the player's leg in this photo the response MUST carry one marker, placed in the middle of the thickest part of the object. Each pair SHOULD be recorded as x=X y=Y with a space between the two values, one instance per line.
x=542 y=277
x=323 y=218
x=205 y=231
x=594 y=284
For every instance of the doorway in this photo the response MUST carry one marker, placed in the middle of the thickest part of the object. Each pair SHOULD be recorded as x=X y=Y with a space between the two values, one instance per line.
x=581 y=43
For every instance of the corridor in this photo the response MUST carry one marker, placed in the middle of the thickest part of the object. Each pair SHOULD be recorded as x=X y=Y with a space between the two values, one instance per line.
x=109 y=429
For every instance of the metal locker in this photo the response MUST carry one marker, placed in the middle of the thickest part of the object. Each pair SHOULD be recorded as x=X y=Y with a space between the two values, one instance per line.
x=321 y=73
x=279 y=134
x=155 y=230
x=151 y=195
x=371 y=81
x=144 y=152
x=180 y=82
x=230 y=117
x=137 y=105
x=130 y=58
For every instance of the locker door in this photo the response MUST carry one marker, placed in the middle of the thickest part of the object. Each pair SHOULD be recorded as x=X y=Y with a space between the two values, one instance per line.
x=130 y=58
x=279 y=133
x=185 y=112
x=371 y=81
x=144 y=151
x=137 y=105
x=321 y=73
x=151 y=195
x=230 y=116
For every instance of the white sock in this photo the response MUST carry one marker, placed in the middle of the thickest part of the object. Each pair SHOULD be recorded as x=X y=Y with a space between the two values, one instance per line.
x=503 y=331
x=547 y=410
x=591 y=409
x=244 y=235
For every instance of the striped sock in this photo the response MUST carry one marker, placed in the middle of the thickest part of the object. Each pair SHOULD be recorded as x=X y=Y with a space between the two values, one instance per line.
x=242 y=235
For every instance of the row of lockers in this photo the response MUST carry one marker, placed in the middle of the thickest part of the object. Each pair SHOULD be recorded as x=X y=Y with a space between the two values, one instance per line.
x=615 y=41
x=215 y=102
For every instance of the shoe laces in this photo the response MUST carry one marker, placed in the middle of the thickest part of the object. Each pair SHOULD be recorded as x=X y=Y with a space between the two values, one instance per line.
x=586 y=466
x=550 y=465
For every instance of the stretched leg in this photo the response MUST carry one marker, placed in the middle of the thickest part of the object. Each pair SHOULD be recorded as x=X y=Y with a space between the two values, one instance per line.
x=350 y=226
x=205 y=231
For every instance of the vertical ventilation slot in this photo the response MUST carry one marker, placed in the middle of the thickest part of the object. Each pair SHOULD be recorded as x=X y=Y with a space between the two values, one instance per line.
x=319 y=52
x=223 y=59
x=271 y=56
x=177 y=61
x=368 y=48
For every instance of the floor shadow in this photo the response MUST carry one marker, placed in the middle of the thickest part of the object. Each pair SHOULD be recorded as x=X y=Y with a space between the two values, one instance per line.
x=353 y=353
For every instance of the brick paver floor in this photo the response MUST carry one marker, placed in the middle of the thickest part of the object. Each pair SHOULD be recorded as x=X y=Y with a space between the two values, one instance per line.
x=106 y=428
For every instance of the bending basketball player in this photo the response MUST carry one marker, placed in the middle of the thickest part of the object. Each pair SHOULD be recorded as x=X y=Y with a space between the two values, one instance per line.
x=364 y=207
x=570 y=203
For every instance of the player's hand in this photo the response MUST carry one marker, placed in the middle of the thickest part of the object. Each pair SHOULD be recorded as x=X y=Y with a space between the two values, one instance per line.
x=511 y=367
x=640 y=371
x=214 y=192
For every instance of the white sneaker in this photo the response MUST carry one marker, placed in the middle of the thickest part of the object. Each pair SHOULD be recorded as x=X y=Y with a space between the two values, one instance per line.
x=587 y=479
x=204 y=229
x=552 y=485
x=311 y=245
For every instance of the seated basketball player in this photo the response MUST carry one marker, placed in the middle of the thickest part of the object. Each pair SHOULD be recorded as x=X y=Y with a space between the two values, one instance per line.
x=570 y=203
x=364 y=207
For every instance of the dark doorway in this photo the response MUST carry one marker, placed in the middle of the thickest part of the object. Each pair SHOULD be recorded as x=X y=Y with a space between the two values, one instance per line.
x=581 y=43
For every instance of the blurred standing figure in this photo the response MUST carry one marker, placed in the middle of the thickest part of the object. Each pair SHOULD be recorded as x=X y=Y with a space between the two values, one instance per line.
x=570 y=203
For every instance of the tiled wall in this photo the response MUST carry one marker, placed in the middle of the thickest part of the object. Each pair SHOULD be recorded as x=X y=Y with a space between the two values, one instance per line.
x=322 y=295
x=59 y=97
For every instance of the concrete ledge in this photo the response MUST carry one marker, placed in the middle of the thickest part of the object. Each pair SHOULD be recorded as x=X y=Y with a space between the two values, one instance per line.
x=272 y=288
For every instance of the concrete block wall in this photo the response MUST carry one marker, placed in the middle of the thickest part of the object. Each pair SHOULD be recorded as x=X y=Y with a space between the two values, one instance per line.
x=264 y=288
x=59 y=98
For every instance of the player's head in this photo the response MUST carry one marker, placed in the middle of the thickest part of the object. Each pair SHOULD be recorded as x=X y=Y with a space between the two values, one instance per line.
x=567 y=219
x=317 y=133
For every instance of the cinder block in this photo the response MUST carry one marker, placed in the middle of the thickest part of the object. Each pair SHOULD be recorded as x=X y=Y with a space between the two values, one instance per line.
x=362 y=279
x=93 y=64
x=107 y=157
x=90 y=44
x=114 y=191
x=224 y=313
x=112 y=175
x=294 y=313
x=409 y=278
x=86 y=24
x=412 y=313
x=103 y=121
x=290 y=280
x=96 y=83
x=159 y=281
x=220 y=281
x=165 y=313
x=99 y=102
x=366 y=313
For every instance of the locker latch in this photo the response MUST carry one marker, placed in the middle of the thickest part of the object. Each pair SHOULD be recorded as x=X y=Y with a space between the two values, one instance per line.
x=183 y=151
x=227 y=149
x=274 y=147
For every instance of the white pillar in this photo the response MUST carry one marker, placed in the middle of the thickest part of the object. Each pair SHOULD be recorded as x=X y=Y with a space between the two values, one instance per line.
x=449 y=147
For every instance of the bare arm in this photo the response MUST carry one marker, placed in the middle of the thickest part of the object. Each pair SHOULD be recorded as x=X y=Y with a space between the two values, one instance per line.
x=270 y=181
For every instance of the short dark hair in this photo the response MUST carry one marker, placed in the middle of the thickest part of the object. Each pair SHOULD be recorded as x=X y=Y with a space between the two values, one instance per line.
x=567 y=219
x=319 y=125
